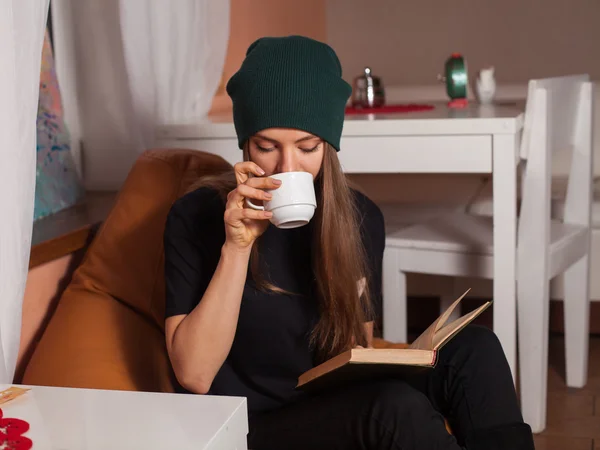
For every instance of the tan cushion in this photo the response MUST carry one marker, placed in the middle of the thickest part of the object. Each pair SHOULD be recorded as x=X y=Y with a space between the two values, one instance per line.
x=107 y=331
x=126 y=257
x=96 y=342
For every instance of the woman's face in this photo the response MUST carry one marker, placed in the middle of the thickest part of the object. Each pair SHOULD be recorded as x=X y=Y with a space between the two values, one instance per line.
x=277 y=150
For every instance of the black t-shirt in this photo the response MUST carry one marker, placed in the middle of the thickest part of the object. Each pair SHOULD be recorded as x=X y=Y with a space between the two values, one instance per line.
x=271 y=345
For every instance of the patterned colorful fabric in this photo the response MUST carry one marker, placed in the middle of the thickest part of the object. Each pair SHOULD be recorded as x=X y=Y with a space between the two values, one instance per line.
x=57 y=182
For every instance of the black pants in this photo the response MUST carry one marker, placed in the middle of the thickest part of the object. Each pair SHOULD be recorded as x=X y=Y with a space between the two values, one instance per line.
x=471 y=386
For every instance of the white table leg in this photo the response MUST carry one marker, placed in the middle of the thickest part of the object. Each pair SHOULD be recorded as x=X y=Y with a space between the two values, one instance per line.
x=505 y=244
x=394 y=298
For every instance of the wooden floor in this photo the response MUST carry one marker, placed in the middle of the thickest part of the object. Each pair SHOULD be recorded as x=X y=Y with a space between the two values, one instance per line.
x=573 y=414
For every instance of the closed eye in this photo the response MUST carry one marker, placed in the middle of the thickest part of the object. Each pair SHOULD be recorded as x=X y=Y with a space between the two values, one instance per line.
x=264 y=149
x=312 y=149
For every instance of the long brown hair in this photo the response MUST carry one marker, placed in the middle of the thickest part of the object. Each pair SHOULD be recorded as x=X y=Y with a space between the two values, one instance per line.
x=339 y=260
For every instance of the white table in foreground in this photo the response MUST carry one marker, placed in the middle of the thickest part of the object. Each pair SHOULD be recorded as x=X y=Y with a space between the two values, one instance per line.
x=86 y=419
x=477 y=139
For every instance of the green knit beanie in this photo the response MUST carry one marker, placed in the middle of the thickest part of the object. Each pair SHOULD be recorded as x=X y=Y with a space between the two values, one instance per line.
x=289 y=82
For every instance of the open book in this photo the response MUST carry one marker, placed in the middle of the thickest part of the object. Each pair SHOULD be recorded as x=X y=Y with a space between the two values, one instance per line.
x=360 y=363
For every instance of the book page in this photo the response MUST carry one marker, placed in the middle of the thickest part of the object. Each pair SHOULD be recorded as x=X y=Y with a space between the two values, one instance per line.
x=426 y=340
x=446 y=333
x=392 y=356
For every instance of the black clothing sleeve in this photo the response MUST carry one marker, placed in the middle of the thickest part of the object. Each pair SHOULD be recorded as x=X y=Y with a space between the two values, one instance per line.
x=194 y=234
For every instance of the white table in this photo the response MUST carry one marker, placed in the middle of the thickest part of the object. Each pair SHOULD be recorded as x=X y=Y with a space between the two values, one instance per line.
x=478 y=139
x=86 y=419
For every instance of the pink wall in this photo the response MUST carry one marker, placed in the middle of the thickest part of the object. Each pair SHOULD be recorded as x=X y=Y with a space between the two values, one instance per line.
x=251 y=19
x=406 y=43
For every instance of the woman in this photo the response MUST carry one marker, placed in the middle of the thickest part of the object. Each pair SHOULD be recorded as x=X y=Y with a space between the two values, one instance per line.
x=250 y=307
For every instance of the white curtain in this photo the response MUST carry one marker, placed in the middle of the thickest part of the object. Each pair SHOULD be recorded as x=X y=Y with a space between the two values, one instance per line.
x=22 y=27
x=174 y=56
x=126 y=66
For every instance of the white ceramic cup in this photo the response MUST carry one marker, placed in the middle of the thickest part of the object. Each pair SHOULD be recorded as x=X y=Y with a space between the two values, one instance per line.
x=293 y=204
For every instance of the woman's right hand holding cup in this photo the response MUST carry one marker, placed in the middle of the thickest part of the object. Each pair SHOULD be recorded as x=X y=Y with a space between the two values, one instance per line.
x=243 y=225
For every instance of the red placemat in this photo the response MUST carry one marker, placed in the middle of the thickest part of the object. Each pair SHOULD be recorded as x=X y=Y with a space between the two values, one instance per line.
x=11 y=434
x=401 y=108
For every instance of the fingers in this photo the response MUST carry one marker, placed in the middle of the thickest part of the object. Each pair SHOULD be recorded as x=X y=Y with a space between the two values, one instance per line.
x=244 y=169
x=264 y=183
x=235 y=199
x=249 y=192
x=253 y=188
x=235 y=215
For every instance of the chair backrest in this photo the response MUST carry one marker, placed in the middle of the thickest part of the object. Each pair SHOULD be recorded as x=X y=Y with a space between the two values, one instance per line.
x=563 y=97
x=126 y=257
x=558 y=118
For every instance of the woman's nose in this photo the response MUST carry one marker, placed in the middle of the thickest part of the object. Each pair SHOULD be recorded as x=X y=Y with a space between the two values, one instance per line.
x=289 y=161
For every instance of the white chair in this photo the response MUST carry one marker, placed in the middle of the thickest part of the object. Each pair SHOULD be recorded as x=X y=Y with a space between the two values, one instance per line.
x=558 y=116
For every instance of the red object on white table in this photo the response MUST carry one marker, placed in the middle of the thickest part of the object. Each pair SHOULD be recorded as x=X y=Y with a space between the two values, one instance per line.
x=390 y=109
